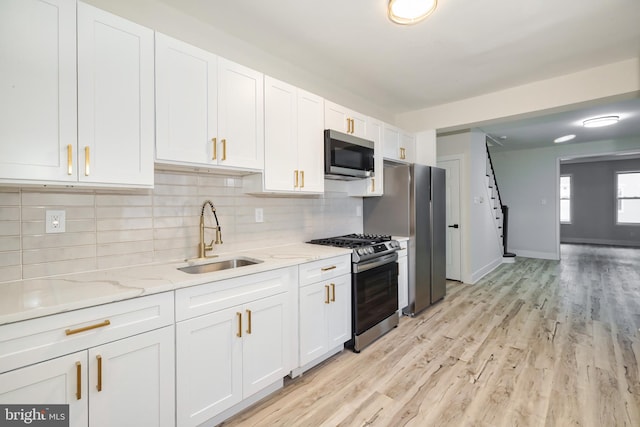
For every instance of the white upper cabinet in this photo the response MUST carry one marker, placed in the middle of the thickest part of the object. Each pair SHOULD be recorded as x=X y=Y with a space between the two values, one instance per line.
x=294 y=144
x=371 y=187
x=344 y=120
x=94 y=126
x=115 y=99
x=209 y=111
x=398 y=145
x=38 y=115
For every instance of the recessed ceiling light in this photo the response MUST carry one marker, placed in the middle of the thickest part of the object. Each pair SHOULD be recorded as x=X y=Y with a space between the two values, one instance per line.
x=407 y=12
x=597 y=122
x=564 y=138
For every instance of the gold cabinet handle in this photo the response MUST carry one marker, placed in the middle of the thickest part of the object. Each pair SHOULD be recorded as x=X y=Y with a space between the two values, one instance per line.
x=224 y=149
x=295 y=173
x=333 y=292
x=215 y=148
x=373 y=185
x=302 y=179
x=326 y=287
x=69 y=159
x=87 y=161
x=78 y=380
x=87 y=328
x=99 y=386
x=249 y=321
x=239 y=333
x=333 y=267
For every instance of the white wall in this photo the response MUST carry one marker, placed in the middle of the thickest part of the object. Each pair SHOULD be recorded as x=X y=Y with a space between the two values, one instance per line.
x=529 y=183
x=479 y=242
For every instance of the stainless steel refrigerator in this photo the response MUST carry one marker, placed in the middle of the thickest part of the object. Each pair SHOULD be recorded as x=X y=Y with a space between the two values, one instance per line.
x=413 y=205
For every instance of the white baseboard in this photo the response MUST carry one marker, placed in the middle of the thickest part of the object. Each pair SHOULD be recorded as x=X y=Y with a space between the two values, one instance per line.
x=534 y=254
x=508 y=259
x=480 y=273
x=600 y=242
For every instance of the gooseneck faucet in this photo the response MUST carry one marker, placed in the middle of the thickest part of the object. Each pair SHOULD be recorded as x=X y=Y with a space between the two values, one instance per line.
x=202 y=247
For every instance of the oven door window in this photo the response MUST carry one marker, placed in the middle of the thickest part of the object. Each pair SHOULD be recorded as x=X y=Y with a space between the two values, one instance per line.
x=375 y=296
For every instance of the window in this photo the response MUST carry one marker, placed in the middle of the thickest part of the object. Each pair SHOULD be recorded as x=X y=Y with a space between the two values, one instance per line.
x=565 y=199
x=628 y=197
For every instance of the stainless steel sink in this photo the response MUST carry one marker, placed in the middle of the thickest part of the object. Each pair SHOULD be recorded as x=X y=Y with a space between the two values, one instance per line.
x=219 y=265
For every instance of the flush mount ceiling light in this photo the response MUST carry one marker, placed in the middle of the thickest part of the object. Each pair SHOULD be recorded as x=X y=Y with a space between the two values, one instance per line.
x=564 y=138
x=407 y=12
x=597 y=122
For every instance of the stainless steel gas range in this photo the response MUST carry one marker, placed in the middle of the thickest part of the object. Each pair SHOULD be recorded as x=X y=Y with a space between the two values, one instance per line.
x=374 y=284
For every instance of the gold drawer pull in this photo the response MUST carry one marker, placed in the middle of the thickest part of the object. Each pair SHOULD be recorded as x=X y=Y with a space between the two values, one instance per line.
x=239 y=333
x=99 y=386
x=333 y=267
x=302 y=179
x=69 y=159
x=78 y=380
x=373 y=185
x=224 y=149
x=87 y=328
x=295 y=173
x=215 y=149
x=333 y=292
x=326 y=301
x=87 y=161
x=249 y=321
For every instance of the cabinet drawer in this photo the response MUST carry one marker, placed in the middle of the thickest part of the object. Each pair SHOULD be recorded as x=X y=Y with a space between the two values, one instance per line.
x=203 y=299
x=324 y=269
x=31 y=341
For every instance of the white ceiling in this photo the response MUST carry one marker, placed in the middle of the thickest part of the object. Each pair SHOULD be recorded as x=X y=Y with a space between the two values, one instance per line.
x=466 y=48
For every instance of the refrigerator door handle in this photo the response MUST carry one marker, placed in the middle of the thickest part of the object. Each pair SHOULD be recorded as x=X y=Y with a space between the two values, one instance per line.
x=454 y=226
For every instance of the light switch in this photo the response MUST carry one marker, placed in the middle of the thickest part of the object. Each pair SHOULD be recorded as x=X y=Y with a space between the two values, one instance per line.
x=259 y=215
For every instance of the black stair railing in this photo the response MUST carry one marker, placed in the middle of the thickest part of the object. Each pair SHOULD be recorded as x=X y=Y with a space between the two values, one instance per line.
x=504 y=208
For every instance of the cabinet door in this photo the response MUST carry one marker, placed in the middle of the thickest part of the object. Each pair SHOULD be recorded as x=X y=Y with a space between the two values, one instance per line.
x=209 y=365
x=339 y=317
x=115 y=99
x=266 y=340
x=280 y=136
x=374 y=185
x=311 y=141
x=408 y=143
x=335 y=117
x=186 y=102
x=358 y=124
x=62 y=380
x=314 y=300
x=391 y=142
x=131 y=381
x=38 y=116
x=403 y=281
x=240 y=116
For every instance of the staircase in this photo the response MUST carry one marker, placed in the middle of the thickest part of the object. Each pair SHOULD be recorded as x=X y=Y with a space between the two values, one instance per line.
x=501 y=211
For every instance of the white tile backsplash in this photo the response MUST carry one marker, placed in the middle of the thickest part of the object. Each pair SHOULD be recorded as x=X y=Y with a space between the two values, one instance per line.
x=115 y=228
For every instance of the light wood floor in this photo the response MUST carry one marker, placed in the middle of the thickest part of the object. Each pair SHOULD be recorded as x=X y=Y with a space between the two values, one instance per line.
x=535 y=343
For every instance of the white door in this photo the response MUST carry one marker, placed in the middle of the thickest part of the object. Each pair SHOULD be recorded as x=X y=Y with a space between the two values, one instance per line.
x=209 y=365
x=62 y=380
x=265 y=347
x=186 y=102
x=38 y=116
x=314 y=300
x=311 y=141
x=339 y=317
x=115 y=99
x=452 y=168
x=132 y=381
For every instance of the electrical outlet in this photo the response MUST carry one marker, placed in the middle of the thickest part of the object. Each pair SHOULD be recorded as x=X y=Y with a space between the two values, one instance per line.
x=259 y=215
x=55 y=221
x=358 y=210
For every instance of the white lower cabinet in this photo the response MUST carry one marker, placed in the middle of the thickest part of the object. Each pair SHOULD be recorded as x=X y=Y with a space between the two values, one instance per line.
x=128 y=382
x=325 y=317
x=238 y=349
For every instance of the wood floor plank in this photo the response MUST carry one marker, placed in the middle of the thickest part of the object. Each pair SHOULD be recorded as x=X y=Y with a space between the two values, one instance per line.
x=534 y=343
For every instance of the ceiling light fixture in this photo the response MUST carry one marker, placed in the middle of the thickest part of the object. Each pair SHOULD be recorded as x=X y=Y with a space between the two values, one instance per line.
x=597 y=122
x=564 y=138
x=407 y=12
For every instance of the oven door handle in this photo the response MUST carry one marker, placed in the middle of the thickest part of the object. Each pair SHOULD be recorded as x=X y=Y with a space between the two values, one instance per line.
x=377 y=262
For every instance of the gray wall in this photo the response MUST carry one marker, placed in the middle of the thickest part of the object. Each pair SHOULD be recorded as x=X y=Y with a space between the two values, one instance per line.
x=594 y=204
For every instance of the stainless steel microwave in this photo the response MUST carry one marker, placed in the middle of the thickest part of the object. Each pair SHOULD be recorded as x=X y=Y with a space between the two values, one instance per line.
x=347 y=156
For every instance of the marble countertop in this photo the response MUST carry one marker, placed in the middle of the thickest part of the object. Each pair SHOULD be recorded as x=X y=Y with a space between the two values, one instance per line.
x=28 y=299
